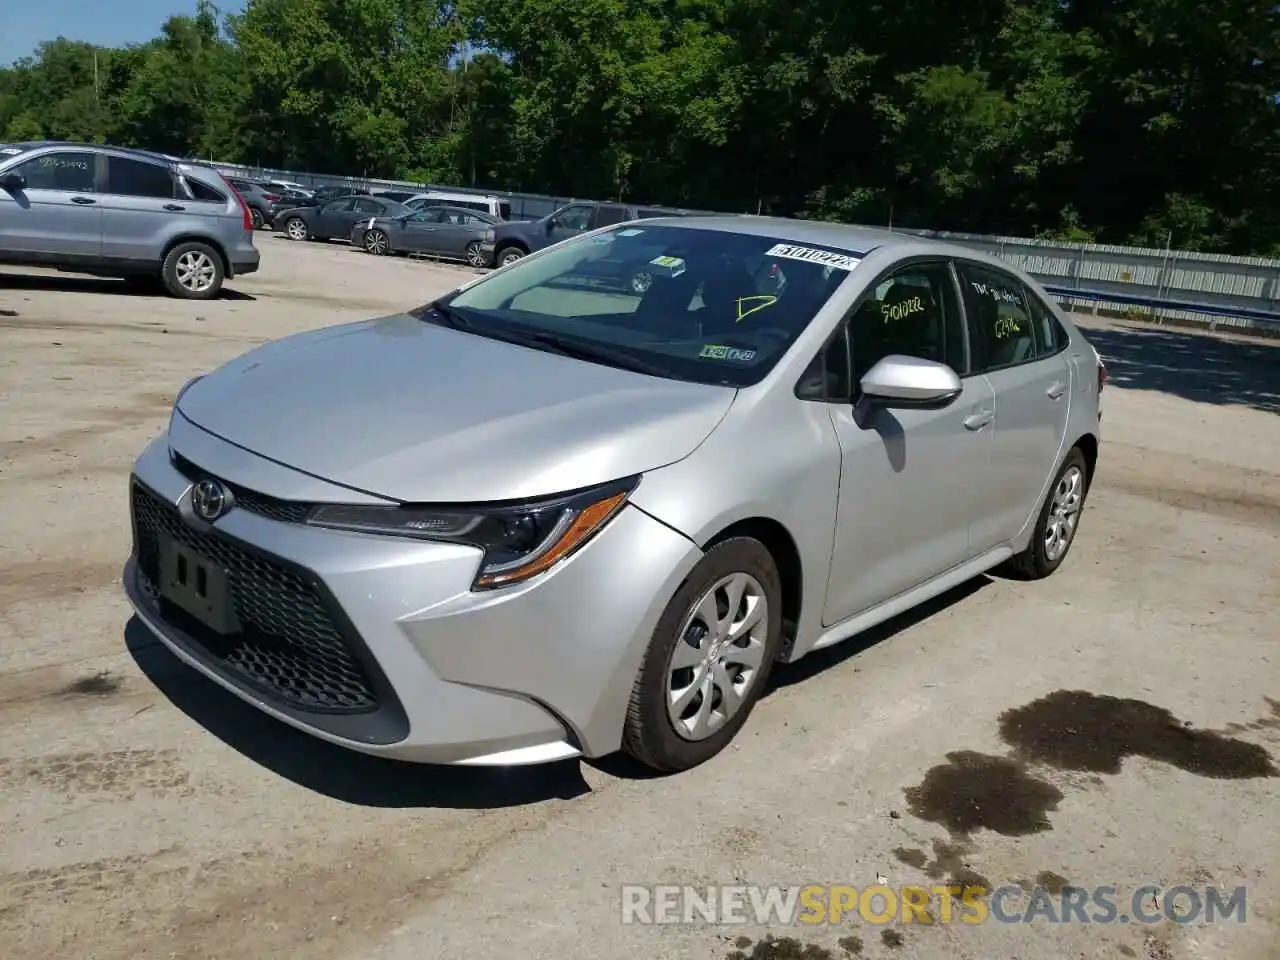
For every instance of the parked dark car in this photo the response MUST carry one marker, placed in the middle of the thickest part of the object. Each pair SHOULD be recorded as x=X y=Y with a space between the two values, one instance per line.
x=259 y=199
x=515 y=239
x=325 y=194
x=449 y=232
x=334 y=220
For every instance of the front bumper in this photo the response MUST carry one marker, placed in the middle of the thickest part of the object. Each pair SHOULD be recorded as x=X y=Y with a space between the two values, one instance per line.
x=378 y=644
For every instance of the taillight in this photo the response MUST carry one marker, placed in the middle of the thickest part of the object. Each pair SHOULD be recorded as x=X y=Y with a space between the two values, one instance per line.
x=244 y=207
x=270 y=197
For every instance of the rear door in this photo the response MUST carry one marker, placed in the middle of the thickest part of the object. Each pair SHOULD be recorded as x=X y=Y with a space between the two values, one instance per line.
x=140 y=204
x=57 y=216
x=1030 y=382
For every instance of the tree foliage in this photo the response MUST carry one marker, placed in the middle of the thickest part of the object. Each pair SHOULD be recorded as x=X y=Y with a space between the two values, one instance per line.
x=1109 y=120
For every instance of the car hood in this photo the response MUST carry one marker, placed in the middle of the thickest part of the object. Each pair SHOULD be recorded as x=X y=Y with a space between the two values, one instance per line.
x=415 y=412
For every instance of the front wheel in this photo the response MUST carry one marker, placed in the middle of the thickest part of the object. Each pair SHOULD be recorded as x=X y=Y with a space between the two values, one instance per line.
x=509 y=255
x=1058 y=521
x=708 y=660
x=193 y=271
x=295 y=228
x=376 y=242
x=473 y=255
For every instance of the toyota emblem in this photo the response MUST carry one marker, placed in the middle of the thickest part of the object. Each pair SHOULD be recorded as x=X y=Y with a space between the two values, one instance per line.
x=209 y=500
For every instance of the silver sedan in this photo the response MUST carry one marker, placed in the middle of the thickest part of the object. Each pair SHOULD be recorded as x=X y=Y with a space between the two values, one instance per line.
x=547 y=516
x=452 y=233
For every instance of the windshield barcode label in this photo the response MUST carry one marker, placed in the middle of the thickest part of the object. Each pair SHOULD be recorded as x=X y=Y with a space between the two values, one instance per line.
x=826 y=258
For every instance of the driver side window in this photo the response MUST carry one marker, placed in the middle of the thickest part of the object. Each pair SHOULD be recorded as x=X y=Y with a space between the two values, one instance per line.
x=912 y=312
x=337 y=206
x=577 y=217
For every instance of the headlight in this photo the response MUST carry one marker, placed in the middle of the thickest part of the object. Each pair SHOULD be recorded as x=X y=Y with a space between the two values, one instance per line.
x=489 y=236
x=519 y=540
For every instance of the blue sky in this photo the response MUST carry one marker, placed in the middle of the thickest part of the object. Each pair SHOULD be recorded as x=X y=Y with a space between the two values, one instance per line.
x=24 y=23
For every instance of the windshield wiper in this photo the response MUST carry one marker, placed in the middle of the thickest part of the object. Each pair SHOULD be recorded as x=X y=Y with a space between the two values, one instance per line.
x=447 y=316
x=581 y=350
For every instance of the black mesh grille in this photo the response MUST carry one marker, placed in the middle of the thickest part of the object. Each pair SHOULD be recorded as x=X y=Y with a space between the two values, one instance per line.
x=289 y=643
x=284 y=511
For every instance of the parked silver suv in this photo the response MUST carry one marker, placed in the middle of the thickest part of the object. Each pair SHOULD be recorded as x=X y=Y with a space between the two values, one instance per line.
x=115 y=212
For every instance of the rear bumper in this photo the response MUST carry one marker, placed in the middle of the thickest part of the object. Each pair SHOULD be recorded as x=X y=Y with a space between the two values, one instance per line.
x=487 y=251
x=243 y=261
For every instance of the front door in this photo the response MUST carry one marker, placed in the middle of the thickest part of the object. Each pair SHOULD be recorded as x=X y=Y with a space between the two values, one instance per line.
x=1031 y=383
x=906 y=475
x=57 y=215
x=570 y=222
x=334 y=219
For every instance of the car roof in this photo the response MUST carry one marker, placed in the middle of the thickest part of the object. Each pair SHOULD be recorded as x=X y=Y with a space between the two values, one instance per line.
x=856 y=239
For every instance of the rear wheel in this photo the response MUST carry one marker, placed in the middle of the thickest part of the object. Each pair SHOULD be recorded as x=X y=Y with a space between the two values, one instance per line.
x=474 y=257
x=295 y=228
x=376 y=242
x=1058 y=521
x=708 y=660
x=193 y=271
x=509 y=255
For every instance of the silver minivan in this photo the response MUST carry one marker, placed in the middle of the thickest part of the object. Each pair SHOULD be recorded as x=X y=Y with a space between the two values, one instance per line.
x=116 y=212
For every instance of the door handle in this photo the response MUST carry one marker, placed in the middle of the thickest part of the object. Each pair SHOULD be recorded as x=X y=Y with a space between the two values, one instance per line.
x=976 y=421
x=174 y=206
x=1056 y=391
x=83 y=200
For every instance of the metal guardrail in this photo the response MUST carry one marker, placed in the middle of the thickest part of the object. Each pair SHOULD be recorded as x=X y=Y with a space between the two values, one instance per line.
x=1241 y=293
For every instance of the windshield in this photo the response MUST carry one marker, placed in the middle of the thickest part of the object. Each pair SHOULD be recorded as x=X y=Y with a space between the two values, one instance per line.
x=691 y=304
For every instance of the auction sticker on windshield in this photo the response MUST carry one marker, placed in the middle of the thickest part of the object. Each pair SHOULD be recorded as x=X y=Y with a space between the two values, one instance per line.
x=827 y=258
x=717 y=351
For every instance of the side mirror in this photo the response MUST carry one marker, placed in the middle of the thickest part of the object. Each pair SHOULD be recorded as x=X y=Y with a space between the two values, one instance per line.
x=900 y=381
x=13 y=182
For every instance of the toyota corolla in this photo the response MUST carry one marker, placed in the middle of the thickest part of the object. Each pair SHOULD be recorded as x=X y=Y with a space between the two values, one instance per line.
x=544 y=516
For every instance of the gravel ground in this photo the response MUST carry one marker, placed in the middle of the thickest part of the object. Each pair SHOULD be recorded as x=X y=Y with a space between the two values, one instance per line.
x=1110 y=725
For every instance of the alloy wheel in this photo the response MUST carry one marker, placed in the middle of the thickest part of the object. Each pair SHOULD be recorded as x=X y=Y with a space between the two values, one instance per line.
x=717 y=657
x=196 y=271
x=1064 y=513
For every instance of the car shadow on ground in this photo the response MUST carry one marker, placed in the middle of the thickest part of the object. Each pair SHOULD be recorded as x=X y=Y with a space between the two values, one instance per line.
x=100 y=285
x=787 y=674
x=1195 y=366
x=342 y=774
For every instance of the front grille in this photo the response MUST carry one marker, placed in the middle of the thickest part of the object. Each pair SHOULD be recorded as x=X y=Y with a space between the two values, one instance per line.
x=289 y=644
x=283 y=511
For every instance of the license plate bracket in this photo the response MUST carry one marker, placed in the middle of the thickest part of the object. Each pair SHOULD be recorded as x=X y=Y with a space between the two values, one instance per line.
x=195 y=584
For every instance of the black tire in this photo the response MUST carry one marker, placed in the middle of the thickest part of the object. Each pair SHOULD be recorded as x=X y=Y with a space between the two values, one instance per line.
x=200 y=257
x=371 y=240
x=649 y=735
x=508 y=255
x=295 y=228
x=473 y=255
x=1036 y=562
x=255 y=215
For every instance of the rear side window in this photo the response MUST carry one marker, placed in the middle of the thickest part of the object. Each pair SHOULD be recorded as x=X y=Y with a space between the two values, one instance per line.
x=202 y=191
x=1049 y=335
x=1001 y=329
x=608 y=214
x=137 y=178
x=365 y=205
x=504 y=210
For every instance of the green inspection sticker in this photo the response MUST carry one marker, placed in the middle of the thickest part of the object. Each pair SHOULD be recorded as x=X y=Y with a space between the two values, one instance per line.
x=715 y=351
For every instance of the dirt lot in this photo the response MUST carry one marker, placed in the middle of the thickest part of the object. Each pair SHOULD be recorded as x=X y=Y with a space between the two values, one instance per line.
x=146 y=814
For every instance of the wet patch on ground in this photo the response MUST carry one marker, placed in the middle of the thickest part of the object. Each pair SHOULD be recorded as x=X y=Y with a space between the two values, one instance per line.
x=892 y=939
x=1053 y=882
x=101 y=684
x=789 y=948
x=973 y=791
x=1079 y=731
x=948 y=864
x=123 y=773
